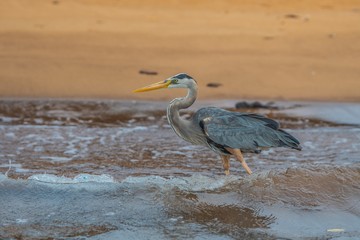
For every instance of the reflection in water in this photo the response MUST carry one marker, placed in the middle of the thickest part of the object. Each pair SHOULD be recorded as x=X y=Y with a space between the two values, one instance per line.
x=212 y=209
x=60 y=229
x=229 y=214
x=306 y=187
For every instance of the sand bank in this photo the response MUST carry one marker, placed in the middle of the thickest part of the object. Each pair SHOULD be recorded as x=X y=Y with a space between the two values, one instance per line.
x=255 y=49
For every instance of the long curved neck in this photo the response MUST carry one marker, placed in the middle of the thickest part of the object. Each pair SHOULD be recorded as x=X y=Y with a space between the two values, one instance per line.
x=183 y=103
x=177 y=123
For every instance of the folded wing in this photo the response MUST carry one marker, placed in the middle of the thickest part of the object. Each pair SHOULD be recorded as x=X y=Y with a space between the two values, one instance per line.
x=248 y=132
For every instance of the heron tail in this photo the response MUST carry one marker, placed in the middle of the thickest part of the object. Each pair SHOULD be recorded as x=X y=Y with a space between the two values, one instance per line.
x=287 y=140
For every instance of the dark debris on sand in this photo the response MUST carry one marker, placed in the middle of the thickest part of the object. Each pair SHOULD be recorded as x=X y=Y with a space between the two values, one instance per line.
x=256 y=105
x=213 y=85
x=148 y=72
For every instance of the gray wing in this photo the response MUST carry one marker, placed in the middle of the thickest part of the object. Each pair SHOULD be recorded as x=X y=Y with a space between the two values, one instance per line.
x=248 y=132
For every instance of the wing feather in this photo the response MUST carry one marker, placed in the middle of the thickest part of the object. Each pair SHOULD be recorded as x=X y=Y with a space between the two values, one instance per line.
x=249 y=132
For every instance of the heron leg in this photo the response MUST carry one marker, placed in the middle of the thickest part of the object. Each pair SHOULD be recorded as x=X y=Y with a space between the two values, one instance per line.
x=226 y=163
x=237 y=153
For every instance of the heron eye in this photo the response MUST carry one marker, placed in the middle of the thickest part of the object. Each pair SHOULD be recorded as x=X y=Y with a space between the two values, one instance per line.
x=174 y=81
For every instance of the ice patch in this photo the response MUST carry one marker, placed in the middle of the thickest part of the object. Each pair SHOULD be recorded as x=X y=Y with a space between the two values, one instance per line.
x=56 y=159
x=3 y=177
x=343 y=113
x=7 y=119
x=267 y=152
x=309 y=145
x=194 y=183
x=102 y=141
x=165 y=153
x=21 y=221
x=130 y=130
x=341 y=140
x=39 y=149
x=39 y=121
x=191 y=148
x=18 y=167
x=110 y=214
x=81 y=178
x=124 y=131
x=10 y=135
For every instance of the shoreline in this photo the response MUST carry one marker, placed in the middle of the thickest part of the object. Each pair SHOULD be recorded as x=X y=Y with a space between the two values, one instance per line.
x=342 y=113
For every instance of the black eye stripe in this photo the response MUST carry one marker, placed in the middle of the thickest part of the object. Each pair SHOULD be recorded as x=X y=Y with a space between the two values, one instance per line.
x=182 y=76
x=175 y=79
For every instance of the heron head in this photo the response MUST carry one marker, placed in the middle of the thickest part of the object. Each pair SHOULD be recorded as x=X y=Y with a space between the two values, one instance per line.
x=181 y=80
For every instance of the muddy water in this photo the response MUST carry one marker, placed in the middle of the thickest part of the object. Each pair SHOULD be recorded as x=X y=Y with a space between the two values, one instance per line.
x=116 y=170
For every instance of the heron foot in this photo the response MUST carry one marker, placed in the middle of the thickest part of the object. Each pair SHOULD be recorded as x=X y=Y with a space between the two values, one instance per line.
x=239 y=157
x=226 y=163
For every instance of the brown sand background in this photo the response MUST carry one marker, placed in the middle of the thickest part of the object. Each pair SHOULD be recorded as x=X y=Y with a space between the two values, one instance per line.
x=265 y=49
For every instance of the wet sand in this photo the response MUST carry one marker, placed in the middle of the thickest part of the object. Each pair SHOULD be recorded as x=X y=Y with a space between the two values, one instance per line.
x=98 y=169
x=255 y=49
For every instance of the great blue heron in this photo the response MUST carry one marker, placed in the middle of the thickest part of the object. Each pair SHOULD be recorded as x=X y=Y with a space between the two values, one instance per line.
x=226 y=133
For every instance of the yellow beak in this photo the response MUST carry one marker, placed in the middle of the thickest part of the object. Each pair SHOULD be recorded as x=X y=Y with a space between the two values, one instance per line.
x=154 y=86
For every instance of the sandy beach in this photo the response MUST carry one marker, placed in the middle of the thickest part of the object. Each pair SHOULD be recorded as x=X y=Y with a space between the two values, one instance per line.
x=296 y=50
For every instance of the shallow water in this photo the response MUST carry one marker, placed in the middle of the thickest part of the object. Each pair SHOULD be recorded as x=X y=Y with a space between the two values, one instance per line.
x=112 y=169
